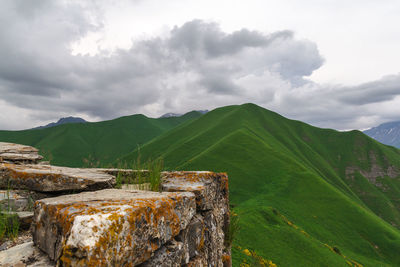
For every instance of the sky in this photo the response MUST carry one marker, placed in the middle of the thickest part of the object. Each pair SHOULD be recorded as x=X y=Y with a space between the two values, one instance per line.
x=333 y=64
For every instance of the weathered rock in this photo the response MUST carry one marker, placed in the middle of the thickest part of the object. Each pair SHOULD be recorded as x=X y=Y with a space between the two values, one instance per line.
x=46 y=178
x=192 y=239
x=24 y=255
x=180 y=250
x=198 y=262
x=210 y=188
x=109 y=227
x=13 y=200
x=144 y=186
x=25 y=219
x=212 y=200
x=214 y=236
x=16 y=153
x=170 y=255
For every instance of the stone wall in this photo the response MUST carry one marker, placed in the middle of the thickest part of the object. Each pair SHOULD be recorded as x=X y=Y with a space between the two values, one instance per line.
x=80 y=219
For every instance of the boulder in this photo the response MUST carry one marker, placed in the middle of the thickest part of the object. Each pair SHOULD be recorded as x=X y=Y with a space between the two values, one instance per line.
x=17 y=153
x=46 y=178
x=111 y=227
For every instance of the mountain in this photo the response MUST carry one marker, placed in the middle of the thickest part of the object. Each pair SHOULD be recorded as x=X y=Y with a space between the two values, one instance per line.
x=386 y=133
x=63 y=121
x=94 y=143
x=168 y=115
x=305 y=196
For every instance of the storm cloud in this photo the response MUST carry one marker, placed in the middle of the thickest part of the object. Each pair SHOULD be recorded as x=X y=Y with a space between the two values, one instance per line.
x=195 y=65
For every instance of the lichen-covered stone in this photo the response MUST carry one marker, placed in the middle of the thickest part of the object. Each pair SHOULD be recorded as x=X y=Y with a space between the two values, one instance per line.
x=192 y=239
x=109 y=227
x=198 y=262
x=170 y=255
x=210 y=188
x=16 y=153
x=46 y=178
x=212 y=199
x=183 y=226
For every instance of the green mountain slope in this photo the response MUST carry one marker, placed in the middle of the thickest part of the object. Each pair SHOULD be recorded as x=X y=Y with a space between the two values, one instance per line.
x=102 y=142
x=305 y=196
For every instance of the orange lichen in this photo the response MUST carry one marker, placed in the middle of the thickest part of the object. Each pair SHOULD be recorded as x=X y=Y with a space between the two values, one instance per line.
x=201 y=243
x=122 y=242
x=148 y=211
x=226 y=260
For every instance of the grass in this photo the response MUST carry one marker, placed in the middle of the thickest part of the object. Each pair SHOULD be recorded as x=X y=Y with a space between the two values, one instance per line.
x=9 y=221
x=98 y=143
x=155 y=167
x=301 y=192
x=300 y=171
x=9 y=225
x=146 y=175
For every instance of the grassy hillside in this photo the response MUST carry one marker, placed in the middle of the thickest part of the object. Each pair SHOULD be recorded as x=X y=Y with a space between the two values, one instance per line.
x=102 y=142
x=305 y=196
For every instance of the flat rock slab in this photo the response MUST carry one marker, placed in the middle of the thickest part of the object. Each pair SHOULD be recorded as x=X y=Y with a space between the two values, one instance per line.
x=207 y=186
x=46 y=178
x=111 y=227
x=18 y=153
x=13 y=200
x=24 y=255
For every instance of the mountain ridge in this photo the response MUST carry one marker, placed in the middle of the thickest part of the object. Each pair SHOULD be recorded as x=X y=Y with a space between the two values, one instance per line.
x=171 y=114
x=305 y=196
x=94 y=143
x=61 y=121
x=298 y=171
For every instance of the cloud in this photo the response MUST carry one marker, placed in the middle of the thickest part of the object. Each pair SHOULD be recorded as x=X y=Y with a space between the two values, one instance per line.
x=194 y=66
x=385 y=89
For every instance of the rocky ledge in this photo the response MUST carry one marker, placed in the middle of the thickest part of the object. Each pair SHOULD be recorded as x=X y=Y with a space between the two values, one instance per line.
x=19 y=153
x=81 y=220
x=47 y=178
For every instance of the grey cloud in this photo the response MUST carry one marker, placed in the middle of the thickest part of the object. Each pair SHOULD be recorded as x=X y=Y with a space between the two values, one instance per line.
x=198 y=66
x=200 y=37
x=381 y=90
x=39 y=73
x=343 y=107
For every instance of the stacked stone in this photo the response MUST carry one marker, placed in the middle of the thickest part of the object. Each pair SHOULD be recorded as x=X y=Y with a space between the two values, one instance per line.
x=24 y=179
x=184 y=225
x=15 y=153
x=203 y=239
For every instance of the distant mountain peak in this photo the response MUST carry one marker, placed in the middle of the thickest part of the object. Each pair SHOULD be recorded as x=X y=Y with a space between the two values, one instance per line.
x=387 y=133
x=64 y=120
x=171 y=114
